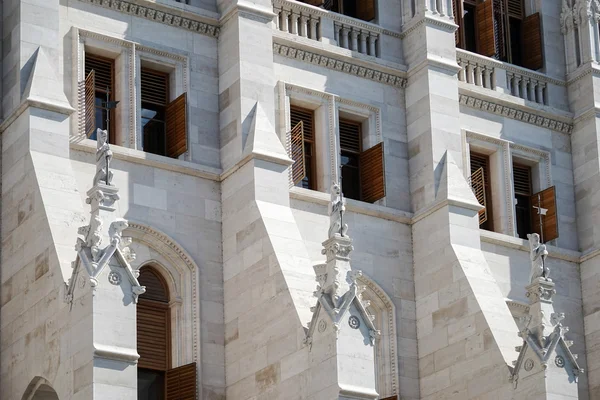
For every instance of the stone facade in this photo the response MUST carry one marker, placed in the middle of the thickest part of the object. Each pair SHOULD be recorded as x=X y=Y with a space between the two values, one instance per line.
x=414 y=299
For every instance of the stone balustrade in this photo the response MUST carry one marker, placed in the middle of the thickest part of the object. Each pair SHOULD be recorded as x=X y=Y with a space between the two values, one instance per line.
x=507 y=78
x=297 y=19
x=356 y=38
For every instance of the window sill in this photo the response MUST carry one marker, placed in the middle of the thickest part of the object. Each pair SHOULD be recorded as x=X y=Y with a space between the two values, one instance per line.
x=151 y=160
x=359 y=207
x=511 y=242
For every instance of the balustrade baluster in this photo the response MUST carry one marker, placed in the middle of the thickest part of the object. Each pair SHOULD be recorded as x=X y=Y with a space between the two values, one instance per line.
x=487 y=75
x=372 y=43
x=313 y=29
x=354 y=36
x=531 y=86
x=470 y=73
x=345 y=33
x=303 y=21
x=523 y=88
x=478 y=75
x=515 y=85
x=363 y=42
x=295 y=18
x=461 y=73
x=285 y=15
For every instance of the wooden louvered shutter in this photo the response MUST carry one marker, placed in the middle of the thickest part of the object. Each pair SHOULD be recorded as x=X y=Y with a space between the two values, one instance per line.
x=545 y=199
x=176 y=121
x=297 y=153
x=486 y=43
x=365 y=10
x=522 y=179
x=478 y=186
x=90 y=106
x=181 y=382
x=372 y=174
x=350 y=136
x=532 y=42
x=456 y=10
x=153 y=341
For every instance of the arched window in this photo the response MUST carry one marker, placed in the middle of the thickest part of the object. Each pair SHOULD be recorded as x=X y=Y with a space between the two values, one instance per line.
x=153 y=335
x=157 y=380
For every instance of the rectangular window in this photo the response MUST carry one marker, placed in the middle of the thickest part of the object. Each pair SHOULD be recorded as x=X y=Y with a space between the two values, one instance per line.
x=499 y=29
x=523 y=208
x=99 y=92
x=360 y=9
x=164 y=123
x=481 y=184
x=363 y=172
x=303 y=147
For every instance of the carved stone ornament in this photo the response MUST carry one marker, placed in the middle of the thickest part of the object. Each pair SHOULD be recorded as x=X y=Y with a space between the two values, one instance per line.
x=559 y=361
x=322 y=326
x=354 y=322
x=529 y=364
x=114 y=278
x=541 y=292
x=337 y=209
x=567 y=20
x=538 y=254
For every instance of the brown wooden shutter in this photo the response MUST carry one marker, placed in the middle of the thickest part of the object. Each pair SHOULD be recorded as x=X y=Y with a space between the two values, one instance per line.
x=297 y=150
x=176 y=121
x=478 y=186
x=153 y=341
x=515 y=8
x=181 y=382
x=316 y=3
x=154 y=87
x=532 y=42
x=486 y=43
x=103 y=71
x=394 y=397
x=547 y=200
x=456 y=10
x=372 y=174
x=350 y=136
x=90 y=104
x=365 y=10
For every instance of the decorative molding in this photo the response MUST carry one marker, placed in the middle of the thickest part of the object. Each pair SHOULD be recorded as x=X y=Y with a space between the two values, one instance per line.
x=335 y=64
x=515 y=113
x=116 y=353
x=420 y=19
x=157 y=15
x=313 y=11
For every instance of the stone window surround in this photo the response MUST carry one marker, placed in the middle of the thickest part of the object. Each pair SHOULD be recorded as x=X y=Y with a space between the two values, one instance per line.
x=327 y=109
x=128 y=57
x=502 y=152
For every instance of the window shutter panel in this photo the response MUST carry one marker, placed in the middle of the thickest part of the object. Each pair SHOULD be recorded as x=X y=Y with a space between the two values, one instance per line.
x=297 y=150
x=547 y=200
x=532 y=42
x=90 y=106
x=153 y=342
x=456 y=10
x=522 y=179
x=365 y=10
x=350 y=136
x=394 y=397
x=486 y=45
x=176 y=121
x=372 y=174
x=316 y=3
x=181 y=382
x=478 y=186
x=515 y=8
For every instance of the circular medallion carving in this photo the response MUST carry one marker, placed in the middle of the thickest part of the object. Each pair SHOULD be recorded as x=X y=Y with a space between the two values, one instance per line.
x=354 y=322
x=114 y=277
x=322 y=326
x=559 y=361
x=528 y=364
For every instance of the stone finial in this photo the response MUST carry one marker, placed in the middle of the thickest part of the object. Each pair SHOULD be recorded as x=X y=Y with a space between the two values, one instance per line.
x=537 y=254
x=336 y=210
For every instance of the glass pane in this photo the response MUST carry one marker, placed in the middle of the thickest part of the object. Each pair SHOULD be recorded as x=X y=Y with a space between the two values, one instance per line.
x=151 y=385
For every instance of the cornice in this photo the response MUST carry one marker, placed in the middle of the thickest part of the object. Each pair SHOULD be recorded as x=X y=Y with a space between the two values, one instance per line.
x=467 y=55
x=159 y=14
x=306 y=9
x=337 y=64
x=522 y=113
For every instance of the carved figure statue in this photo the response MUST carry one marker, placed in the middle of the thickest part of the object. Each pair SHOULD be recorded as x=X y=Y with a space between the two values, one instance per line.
x=538 y=254
x=116 y=229
x=336 y=209
x=103 y=158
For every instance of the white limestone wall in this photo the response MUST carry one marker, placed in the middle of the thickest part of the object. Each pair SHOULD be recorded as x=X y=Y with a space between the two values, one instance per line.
x=188 y=210
x=200 y=50
x=383 y=251
x=387 y=99
x=558 y=145
x=510 y=267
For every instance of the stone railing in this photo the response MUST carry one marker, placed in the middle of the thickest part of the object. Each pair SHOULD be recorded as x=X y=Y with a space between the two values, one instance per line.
x=502 y=77
x=332 y=28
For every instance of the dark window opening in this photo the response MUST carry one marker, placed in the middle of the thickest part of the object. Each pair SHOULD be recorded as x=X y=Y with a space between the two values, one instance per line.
x=151 y=384
x=351 y=146
x=360 y=9
x=469 y=27
x=103 y=92
x=523 y=191
x=155 y=98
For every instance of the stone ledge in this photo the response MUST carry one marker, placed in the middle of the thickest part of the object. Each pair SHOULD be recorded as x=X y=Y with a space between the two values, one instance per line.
x=359 y=207
x=151 y=160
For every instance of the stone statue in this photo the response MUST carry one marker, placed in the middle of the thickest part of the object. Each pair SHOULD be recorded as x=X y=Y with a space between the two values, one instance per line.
x=336 y=209
x=538 y=254
x=103 y=158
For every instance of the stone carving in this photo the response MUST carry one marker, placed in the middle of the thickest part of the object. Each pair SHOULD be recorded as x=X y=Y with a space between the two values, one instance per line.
x=354 y=322
x=566 y=18
x=116 y=229
x=538 y=254
x=322 y=326
x=114 y=278
x=529 y=364
x=103 y=159
x=337 y=209
x=559 y=361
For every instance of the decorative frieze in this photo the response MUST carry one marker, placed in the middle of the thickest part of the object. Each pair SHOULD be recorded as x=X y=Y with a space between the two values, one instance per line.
x=339 y=65
x=156 y=15
x=515 y=113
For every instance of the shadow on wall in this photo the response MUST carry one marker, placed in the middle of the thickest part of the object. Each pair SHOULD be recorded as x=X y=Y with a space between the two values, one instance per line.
x=39 y=389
